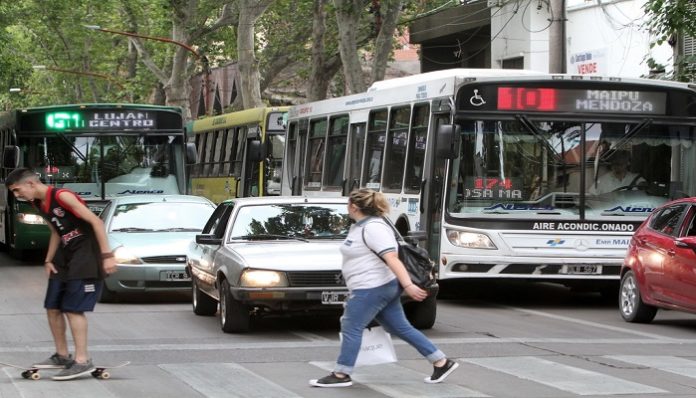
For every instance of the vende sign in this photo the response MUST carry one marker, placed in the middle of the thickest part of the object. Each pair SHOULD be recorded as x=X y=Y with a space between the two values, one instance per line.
x=590 y=62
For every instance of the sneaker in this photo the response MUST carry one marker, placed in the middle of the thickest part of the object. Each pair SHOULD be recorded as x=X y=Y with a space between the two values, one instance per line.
x=441 y=373
x=55 y=361
x=332 y=381
x=75 y=370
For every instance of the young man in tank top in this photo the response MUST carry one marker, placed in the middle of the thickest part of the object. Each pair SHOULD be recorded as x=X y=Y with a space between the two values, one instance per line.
x=77 y=259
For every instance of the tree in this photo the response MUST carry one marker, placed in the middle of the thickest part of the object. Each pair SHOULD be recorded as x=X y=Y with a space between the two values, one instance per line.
x=250 y=11
x=670 y=20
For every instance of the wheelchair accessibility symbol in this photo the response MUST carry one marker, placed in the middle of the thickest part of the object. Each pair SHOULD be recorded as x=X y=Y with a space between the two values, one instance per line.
x=476 y=99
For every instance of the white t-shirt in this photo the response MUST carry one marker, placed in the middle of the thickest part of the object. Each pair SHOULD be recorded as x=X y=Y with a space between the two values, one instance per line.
x=362 y=269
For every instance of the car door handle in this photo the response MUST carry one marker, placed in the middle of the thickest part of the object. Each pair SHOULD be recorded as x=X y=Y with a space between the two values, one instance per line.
x=671 y=252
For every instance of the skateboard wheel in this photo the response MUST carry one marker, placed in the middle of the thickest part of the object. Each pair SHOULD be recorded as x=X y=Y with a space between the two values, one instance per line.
x=95 y=373
x=26 y=374
x=35 y=376
x=105 y=375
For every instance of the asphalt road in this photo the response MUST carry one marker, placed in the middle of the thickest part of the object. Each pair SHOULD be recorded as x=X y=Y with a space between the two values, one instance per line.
x=511 y=340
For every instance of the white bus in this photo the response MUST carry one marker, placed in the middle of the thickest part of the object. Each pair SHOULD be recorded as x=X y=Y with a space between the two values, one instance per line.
x=505 y=173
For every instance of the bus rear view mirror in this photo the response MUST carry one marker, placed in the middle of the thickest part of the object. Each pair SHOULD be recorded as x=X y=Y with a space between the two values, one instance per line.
x=448 y=137
x=191 y=153
x=256 y=151
x=10 y=157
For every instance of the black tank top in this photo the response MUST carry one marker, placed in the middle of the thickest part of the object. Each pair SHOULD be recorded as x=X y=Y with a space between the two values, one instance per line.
x=78 y=255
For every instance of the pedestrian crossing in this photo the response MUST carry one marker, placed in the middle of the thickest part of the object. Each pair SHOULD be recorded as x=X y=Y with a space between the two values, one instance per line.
x=504 y=376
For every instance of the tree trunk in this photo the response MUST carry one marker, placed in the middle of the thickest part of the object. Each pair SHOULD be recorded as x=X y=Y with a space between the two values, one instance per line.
x=249 y=13
x=347 y=18
x=317 y=84
x=385 y=38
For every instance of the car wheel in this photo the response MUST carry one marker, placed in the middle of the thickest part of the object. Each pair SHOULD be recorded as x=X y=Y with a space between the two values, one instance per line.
x=422 y=314
x=202 y=303
x=631 y=305
x=234 y=316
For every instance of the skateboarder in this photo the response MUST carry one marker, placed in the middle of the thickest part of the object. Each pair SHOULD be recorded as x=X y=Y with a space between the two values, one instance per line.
x=77 y=259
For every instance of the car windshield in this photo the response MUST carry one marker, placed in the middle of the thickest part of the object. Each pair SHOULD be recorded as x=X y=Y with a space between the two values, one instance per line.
x=160 y=216
x=282 y=221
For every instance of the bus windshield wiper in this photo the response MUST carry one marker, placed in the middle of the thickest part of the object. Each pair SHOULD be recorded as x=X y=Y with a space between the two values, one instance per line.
x=133 y=229
x=267 y=237
x=178 y=229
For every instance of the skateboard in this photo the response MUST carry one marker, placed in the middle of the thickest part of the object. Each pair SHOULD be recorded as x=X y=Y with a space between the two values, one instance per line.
x=100 y=371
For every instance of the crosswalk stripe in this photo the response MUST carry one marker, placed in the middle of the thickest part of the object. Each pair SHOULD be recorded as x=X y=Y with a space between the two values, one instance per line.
x=397 y=381
x=563 y=377
x=214 y=380
x=671 y=364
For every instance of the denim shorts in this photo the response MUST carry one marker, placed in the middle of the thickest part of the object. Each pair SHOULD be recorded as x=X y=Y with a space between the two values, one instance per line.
x=74 y=295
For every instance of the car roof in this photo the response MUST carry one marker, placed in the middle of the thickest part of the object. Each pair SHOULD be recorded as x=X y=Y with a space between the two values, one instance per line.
x=160 y=198
x=287 y=200
x=691 y=199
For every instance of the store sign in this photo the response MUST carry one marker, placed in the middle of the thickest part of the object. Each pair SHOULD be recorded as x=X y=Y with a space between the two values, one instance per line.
x=592 y=62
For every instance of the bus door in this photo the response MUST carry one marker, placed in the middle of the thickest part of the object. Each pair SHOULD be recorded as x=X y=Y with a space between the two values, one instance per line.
x=356 y=148
x=253 y=156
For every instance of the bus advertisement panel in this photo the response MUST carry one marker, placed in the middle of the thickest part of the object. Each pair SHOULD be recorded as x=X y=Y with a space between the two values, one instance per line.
x=99 y=151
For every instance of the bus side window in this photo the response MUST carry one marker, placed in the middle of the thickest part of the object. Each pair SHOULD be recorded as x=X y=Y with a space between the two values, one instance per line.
x=240 y=147
x=395 y=155
x=227 y=152
x=200 y=144
x=336 y=151
x=376 y=132
x=208 y=152
x=219 y=155
x=317 y=136
x=416 y=148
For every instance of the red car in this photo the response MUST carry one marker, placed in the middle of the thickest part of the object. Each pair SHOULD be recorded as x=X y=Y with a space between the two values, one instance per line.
x=659 y=270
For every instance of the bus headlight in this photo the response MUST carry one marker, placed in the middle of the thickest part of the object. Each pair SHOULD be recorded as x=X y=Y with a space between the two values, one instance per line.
x=470 y=240
x=124 y=256
x=263 y=278
x=28 y=218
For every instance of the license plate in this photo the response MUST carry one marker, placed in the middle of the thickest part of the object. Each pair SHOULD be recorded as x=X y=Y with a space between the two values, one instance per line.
x=582 y=269
x=174 y=276
x=333 y=297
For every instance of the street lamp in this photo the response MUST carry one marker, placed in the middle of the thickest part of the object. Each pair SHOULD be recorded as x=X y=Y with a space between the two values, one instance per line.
x=78 y=72
x=203 y=59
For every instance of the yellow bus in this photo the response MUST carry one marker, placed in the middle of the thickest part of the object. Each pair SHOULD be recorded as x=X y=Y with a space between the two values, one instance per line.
x=240 y=153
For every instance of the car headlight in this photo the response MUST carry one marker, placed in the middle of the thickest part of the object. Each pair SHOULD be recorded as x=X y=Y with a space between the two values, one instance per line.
x=470 y=240
x=124 y=256
x=263 y=278
x=28 y=218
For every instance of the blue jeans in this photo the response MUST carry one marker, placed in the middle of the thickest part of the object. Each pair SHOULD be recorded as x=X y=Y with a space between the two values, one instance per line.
x=383 y=304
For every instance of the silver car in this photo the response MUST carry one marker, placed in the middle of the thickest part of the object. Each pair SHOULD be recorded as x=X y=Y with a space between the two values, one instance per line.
x=273 y=255
x=149 y=235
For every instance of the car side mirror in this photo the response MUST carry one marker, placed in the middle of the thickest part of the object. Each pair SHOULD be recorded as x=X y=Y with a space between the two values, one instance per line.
x=688 y=242
x=208 y=239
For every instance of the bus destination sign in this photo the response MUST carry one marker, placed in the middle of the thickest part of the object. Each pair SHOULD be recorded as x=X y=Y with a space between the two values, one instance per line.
x=537 y=99
x=100 y=120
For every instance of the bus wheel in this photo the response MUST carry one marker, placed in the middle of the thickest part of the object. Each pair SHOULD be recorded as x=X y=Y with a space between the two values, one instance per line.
x=422 y=314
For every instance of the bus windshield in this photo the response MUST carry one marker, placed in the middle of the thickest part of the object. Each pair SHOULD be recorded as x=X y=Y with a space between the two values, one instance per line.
x=127 y=164
x=540 y=168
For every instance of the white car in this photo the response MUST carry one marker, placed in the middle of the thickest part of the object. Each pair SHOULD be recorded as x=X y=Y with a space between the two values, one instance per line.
x=275 y=255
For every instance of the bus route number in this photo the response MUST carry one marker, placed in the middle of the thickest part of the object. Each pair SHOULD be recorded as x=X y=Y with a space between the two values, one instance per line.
x=491 y=188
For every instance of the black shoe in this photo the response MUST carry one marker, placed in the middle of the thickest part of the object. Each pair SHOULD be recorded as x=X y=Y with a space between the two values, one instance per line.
x=332 y=381
x=441 y=373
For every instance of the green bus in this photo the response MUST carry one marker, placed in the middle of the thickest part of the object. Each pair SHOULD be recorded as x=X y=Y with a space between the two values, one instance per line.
x=239 y=152
x=99 y=151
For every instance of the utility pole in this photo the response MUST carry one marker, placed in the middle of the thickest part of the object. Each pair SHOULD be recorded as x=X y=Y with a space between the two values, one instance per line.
x=557 y=37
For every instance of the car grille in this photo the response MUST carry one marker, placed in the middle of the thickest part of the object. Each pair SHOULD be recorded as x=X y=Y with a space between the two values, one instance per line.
x=165 y=259
x=316 y=278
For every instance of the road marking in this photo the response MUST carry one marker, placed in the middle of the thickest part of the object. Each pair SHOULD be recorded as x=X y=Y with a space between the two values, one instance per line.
x=213 y=380
x=589 y=323
x=400 y=382
x=309 y=336
x=563 y=377
x=335 y=343
x=671 y=364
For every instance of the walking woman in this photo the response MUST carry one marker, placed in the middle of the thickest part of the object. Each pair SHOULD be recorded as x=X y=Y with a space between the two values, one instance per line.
x=376 y=278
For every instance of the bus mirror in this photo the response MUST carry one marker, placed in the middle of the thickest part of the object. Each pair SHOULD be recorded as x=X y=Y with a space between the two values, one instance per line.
x=256 y=151
x=191 y=153
x=10 y=157
x=448 y=136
